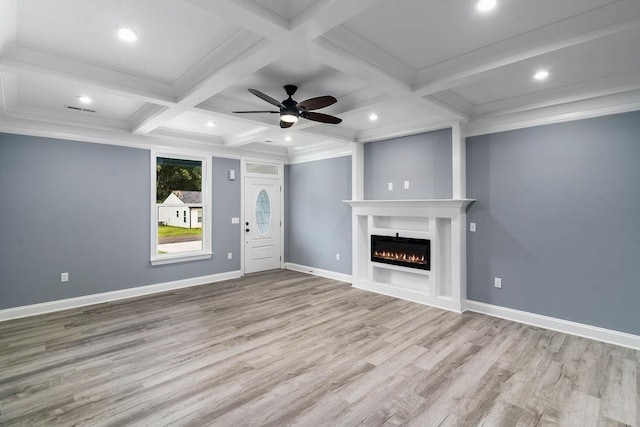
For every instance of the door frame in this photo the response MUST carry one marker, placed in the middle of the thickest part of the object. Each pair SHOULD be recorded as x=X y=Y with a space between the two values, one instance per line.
x=280 y=179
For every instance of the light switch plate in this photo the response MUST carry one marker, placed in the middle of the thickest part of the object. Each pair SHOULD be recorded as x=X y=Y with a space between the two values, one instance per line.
x=235 y=220
x=390 y=186
x=472 y=227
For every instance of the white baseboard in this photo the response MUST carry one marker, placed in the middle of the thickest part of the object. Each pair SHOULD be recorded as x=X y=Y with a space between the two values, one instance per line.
x=85 y=300
x=318 y=272
x=580 y=329
x=409 y=295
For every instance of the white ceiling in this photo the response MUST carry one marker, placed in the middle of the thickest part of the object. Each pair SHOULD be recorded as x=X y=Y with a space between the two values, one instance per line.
x=418 y=64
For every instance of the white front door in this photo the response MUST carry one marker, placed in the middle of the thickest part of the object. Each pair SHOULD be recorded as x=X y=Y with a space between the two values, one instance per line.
x=262 y=224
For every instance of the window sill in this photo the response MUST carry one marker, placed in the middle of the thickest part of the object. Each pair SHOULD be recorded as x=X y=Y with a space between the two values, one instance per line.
x=181 y=258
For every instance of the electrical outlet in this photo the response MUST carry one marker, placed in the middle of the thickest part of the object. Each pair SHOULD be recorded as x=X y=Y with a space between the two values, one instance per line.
x=230 y=255
x=497 y=282
x=390 y=186
x=406 y=185
x=337 y=257
x=472 y=227
x=64 y=277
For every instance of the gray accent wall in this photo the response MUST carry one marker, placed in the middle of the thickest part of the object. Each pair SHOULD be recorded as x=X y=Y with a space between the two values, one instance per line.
x=318 y=224
x=424 y=160
x=557 y=216
x=84 y=208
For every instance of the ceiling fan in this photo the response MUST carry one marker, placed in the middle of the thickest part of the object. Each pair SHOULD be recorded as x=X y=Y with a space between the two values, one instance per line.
x=290 y=110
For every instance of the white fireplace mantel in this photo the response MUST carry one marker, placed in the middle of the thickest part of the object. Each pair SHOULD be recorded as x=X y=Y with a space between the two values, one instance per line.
x=412 y=204
x=442 y=221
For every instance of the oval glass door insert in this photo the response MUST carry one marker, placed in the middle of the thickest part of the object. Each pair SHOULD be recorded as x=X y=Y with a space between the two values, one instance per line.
x=263 y=213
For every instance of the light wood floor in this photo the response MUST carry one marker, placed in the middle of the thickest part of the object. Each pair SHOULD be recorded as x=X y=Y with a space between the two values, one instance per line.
x=283 y=348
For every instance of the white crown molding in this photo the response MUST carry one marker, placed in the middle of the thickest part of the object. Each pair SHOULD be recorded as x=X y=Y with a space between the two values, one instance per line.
x=397 y=130
x=555 y=324
x=315 y=153
x=87 y=300
x=121 y=138
x=318 y=272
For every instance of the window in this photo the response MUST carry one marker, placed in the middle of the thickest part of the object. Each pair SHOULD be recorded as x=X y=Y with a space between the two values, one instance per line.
x=179 y=185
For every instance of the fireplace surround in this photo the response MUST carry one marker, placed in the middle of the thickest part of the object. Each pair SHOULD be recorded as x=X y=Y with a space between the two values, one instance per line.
x=439 y=221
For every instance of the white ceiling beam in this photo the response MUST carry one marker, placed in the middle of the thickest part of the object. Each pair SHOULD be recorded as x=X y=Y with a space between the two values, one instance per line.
x=21 y=60
x=243 y=65
x=352 y=42
x=249 y=14
x=8 y=93
x=318 y=18
x=451 y=79
x=347 y=62
x=8 y=24
x=156 y=118
x=324 y=15
x=561 y=95
x=583 y=109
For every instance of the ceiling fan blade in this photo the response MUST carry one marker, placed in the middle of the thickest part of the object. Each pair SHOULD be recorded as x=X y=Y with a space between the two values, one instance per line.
x=322 y=118
x=245 y=112
x=316 y=103
x=266 y=97
x=285 y=125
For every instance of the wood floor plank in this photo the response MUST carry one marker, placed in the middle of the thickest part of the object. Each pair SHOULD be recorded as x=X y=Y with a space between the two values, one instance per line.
x=282 y=348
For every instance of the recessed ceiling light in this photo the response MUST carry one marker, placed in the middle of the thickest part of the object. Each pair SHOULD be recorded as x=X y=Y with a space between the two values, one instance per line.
x=84 y=100
x=541 y=75
x=210 y=124
x=486 y=5
x=373 y=117
x=127 y=35
x=287 y=138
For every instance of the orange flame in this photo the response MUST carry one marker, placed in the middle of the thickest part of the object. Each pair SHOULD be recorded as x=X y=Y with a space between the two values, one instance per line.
x=399 y=256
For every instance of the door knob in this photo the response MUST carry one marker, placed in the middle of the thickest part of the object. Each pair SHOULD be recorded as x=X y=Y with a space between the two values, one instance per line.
x=246 y=230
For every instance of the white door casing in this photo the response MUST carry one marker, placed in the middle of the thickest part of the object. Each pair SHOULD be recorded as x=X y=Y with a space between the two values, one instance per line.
x=262 y=224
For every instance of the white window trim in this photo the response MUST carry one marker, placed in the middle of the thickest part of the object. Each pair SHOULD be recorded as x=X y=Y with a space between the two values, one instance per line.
x=205 y=252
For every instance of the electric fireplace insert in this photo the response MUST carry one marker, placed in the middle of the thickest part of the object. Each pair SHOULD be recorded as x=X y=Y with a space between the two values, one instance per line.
x=403 y=251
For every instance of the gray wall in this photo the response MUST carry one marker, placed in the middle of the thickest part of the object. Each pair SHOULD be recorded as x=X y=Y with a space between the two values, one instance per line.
x=84 y=208
x=318 y=224
x=558 y=220
x=424 y=160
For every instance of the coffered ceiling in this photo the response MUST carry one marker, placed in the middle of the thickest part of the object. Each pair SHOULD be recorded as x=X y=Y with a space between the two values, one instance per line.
x=417 y=65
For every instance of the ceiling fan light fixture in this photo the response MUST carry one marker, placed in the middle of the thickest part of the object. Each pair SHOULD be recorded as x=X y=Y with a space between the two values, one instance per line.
x=289 y=118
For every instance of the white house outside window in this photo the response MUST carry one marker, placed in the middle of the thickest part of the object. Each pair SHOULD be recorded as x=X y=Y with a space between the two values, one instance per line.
x=180 y=209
